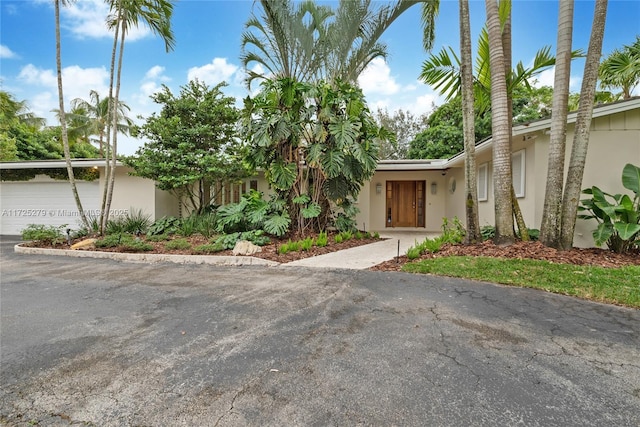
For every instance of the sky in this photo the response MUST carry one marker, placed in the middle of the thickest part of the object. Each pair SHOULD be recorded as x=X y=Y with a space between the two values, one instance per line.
x=207 y=47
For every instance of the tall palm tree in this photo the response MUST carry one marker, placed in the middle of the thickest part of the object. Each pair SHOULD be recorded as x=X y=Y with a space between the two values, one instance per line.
x=551 y=214
x=621 y=69
x=65 y=136
x=573 y=187
x=309 y=42
x=91 y=118
x=10 y=108
x=125 y=14
x=501 y=127
x=466 y=89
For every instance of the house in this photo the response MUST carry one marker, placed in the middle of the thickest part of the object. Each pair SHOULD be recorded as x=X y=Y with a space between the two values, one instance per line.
x=401 y=195
x=419 y=193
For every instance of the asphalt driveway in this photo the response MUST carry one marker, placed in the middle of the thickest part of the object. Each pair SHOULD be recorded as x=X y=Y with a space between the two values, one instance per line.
x=108 y=343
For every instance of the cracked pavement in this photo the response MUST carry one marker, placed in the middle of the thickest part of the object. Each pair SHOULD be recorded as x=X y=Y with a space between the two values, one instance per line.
x=107 y=343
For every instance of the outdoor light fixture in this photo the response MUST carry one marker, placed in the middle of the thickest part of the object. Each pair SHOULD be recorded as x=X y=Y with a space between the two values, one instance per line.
x=434 y=187
x=378 y=188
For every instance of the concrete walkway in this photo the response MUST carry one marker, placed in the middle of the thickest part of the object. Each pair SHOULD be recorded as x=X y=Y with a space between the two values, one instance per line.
x=363 y=257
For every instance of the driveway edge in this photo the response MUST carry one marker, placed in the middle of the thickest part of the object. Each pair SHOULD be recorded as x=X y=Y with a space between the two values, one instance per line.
x=149 y=258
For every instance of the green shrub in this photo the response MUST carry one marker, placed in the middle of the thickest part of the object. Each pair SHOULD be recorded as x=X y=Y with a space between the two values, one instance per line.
x=306 y=244
x=346 y=235
x=45 y=234
x=618 y=216
x=413 y=253
x=209 y=248
x=125 y=242
x=452 y=233
x=322 y=239
x=157 y=238
x=487 y=232
x=283 y=249
x=165 y=225
x=359 y=235
x=188 y=225
x=338 y=238
x=177 y=244
x=256 y=237
x=227 y=241
x=294 y=246
x=376 y=235
x=136 y=221
x=206 y=224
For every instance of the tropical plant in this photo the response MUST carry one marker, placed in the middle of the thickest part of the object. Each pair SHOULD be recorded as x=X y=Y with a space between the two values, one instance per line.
x=322 y=239
x=621 y=69
x=91 y=118
x=575 y=172
x=192 y=143
x=44 y=234
x=125 y=14
x=63 y=122
x=551 y=213
x=166 y=225
x=317 y=144
x=618 y=215
x=309 y=42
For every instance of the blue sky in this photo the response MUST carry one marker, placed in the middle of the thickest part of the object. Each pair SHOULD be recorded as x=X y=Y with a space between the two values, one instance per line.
x=208 y=47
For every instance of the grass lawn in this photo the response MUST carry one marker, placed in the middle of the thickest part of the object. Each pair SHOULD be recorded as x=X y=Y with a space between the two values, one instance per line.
x=611 y=285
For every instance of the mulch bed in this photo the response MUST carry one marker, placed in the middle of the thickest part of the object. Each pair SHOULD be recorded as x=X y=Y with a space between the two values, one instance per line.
x=522 y=250
x=269 y=252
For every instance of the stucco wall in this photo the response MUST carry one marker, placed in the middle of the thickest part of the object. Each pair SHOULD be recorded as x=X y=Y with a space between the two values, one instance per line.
x=435 y=204
x=131 y=192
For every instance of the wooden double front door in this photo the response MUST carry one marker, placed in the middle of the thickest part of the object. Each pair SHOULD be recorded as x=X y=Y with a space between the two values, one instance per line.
x=405 y=204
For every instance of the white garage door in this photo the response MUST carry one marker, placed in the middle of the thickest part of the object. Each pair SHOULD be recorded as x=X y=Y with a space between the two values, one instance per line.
x=48 y=202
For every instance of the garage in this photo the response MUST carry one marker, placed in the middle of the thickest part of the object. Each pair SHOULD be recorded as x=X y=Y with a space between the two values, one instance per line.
x=43 y=200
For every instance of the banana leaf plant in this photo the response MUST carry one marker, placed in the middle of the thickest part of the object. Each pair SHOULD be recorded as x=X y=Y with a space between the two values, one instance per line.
x=618 y=215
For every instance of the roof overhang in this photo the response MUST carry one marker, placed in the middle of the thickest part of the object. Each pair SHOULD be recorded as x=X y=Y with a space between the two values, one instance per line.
x=55 y=164
x=411 y=165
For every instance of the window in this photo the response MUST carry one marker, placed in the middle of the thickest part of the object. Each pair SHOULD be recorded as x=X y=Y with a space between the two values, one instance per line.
x=517 y=170
x=483 y=178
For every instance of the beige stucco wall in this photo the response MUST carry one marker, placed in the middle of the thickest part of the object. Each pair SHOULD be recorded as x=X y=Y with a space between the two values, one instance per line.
x=133 y=192
x=374 y=214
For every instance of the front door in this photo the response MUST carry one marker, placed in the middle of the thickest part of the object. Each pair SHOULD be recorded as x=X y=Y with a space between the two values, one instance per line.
x=405 y=204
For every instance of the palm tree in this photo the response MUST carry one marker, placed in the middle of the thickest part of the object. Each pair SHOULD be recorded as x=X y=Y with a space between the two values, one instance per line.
x=621 y=69
x=571 y=195
x=502 y=181
x=466 y=77
x=308 y=42
x=65 y=136
x=125 y=14
x=10 y=109
x=551 y=214
x=91 y=118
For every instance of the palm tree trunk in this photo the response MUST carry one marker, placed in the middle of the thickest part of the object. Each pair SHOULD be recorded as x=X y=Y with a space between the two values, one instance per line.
x=551 y=214
x=114 y=128
x=502 y=181
x=578 y=158
x=63 y=121
x=466 y=76
x=110 y=107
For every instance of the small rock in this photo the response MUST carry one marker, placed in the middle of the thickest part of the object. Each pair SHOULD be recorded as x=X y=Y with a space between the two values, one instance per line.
x=244 y=247
x=84 y=244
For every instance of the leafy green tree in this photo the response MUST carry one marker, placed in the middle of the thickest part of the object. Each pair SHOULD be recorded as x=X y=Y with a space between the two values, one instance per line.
x=317 y=143
x=405 y=126
x=192 y=143
x=621 y=69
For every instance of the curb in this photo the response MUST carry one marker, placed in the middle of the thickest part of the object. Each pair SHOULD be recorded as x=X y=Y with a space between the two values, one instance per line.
x=149 y=258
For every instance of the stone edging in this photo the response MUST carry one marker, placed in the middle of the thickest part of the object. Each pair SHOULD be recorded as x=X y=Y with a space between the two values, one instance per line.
x=150 y=258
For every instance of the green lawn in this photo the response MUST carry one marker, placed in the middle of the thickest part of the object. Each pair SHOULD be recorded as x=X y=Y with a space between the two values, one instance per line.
x=611 y=285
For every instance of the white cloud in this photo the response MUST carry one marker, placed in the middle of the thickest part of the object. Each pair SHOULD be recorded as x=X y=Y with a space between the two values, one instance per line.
x=377 y=79
x=77 y=83
x=6 y=53
x=156 y=73
x=215 y=72
x=87 y=19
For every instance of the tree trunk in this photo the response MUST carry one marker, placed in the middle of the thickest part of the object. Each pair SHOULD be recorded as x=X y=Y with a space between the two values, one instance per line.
x=110 y=106
x=517 y=215
x=466 y=76
x=114 y=128
x=63 y=122
x=578 y=158
x=502 y=181
x=551 y=214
